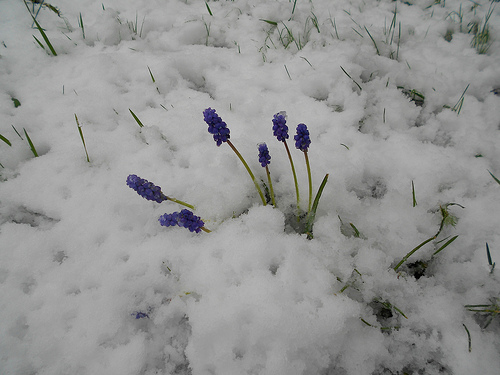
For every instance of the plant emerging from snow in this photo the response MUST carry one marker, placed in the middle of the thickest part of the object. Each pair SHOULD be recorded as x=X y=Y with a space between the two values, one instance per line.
x=152 y=192
x=185 y=219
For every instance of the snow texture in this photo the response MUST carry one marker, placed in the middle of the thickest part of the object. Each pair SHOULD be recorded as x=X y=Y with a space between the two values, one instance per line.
x=393 y=94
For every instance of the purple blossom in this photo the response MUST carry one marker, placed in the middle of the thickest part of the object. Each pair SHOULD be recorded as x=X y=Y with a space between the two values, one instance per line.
x=146 y=189
x=185 y=219
x=302 y=140
x=280 y=129
x=264 y=157
x=216 y=126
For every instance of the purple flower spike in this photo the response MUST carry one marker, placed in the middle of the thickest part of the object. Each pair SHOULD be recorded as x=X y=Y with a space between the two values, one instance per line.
x=216 y=126
x=185 y=219
x=280 y=129
x=169 y=220
x=302 y=140
x=146 y=189
x=264 y=157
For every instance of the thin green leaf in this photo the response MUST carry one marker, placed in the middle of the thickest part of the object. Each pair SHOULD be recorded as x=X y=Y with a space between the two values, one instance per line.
x=5 y=140
x=411 y=253
x=44 y=36
x=413 y=194
x=151 y=74
x=469 y=338
x=496 y=179
x=312 y=213
x=32 y=146
x=136 y=118
x=445 y=245
x=356 y=231
x=373 y=40
x=347 y=74
x=39 y=43
x=81 y=136
x=208 y=8
x=270 y=22
x=17 y=132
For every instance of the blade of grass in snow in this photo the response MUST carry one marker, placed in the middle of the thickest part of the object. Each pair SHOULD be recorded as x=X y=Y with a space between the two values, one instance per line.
x=288 y=72
x=44 y=36
x=469 y=338
x=270 y=22
x=312 y=213
x=81 y=136
x=5 y=140
x=136 y=118
x=32 y=146
x=413 y=194
x=373 y=40
x=445 y=245
x=208 y=8
x=347 y=74
x=490 y=261
x=153 y=79
x=496 y=179
x=80 y=23
x=17 y=132
x=16 y=102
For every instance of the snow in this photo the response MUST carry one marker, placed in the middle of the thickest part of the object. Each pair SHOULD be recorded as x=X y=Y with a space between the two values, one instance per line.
x=90 y=283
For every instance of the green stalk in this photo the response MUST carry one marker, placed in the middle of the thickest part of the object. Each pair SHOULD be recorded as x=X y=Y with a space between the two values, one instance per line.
x=294 y=179
x=310 y=181
x=249 y=171
x=411 y=252
x=312 y=214
x=181 y=202
x=32 y=146
x=273 y=200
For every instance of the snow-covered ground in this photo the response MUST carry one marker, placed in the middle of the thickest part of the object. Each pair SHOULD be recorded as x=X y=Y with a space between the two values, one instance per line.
x=399 y=106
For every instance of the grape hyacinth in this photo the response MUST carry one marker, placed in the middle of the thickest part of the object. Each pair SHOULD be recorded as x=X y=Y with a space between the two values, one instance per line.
x=146 y=189
x=150 y=191
x=185 y=219
x=280 y=130
x=302 y=139
x=264 y=157
x=265 y=160
x=216 y=126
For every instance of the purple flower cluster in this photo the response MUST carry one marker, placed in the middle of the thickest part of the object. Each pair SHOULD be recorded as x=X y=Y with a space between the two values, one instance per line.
x=216 y=126
x=264 y=157
x=302 y=139
x=146 y=189
x=280 y=130
x=185 y=219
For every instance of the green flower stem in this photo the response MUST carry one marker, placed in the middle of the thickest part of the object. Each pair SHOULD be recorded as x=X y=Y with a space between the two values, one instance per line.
x=294 y=179
x=205 y=230
x=310 y=181
x=249 y=171
x=180 y=202
x=273 y=200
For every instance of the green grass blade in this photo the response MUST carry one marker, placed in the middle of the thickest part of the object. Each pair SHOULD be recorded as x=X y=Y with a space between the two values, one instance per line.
x=81 y=136
x=347 y=74
x=445 y=245
x=32 y=146
x=151 y=74
x=270 y=22
x=373 y=40
x=469 y=338
x=208 y=8
x=413 y=194
x=44 y=36
x=39 y=43
x=136 y=118
x=405 y=258
x=17 y=132
x=5 y=140
x=80 y=21
x=496 y=179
